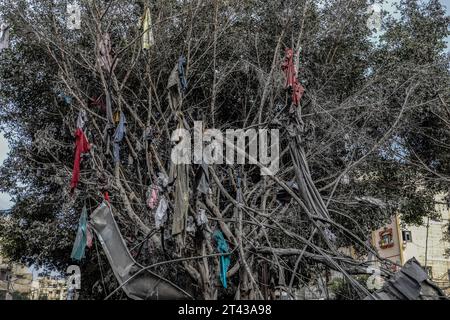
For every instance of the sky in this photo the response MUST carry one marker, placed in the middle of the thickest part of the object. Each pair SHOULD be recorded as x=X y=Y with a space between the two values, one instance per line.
x=5 y=201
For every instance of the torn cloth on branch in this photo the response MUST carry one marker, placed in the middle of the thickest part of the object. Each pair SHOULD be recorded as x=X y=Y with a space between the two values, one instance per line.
x=148 y=39
x=156 y=188
x=81 y=120
x=222 y=247
x=292 y=83
x=152 y=196
x=81 y=239
x=161 y=213
x=105 y=60
x=177 y=84
x=181 y=205
x=180 y=175
x=118 y=136
x=182 y=73
x=81 y=146
x=202 y=179
x=4 y=36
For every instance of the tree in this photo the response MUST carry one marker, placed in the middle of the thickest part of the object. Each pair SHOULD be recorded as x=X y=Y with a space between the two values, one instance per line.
x=367 y=143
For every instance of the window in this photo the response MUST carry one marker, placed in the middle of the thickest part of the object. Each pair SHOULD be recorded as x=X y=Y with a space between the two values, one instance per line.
x=3 y=275
x=386 y=239
x=406 y=235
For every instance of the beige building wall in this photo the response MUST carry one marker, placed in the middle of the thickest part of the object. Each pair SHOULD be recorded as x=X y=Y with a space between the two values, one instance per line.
x=393 y=251
x=431 y=254
x=47 y=288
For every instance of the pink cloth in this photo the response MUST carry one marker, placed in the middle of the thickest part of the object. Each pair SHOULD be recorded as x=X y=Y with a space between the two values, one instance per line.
x=152 y=202
x=291 y=77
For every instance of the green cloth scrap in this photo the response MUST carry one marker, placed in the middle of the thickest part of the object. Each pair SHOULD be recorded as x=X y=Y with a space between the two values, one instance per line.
x=81 y=238
x=222 y=247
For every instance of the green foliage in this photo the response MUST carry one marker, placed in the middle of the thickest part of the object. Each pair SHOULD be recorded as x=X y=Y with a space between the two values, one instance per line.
x=342 y=290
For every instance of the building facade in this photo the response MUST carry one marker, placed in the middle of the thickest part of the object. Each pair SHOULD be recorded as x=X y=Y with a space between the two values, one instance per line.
x=15 y=280
x=399 y=243
x=49 y=288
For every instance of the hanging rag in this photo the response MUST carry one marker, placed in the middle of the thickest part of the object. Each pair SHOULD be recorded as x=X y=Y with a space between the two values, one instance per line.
x=148 y=39
x=222 y=247
x=137 y=285
x=292 y=83
x=181 y=205
x=105 y=60
x=202 y=179
x=177 y=84
x=89 y=237
x=201 y=218
x=81 y=146
x=118 y=136
x=180 y=174
x=81 y=120
x=161 y=213
x=4 y=36
x=182 y=73
x=174 y=79
x=152 y=196
x=174 y=91
x=81 y=238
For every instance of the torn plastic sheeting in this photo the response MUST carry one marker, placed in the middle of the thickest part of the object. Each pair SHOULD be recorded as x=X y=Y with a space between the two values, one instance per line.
x=161 y=213
x=410 y=283
x=145 y=285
